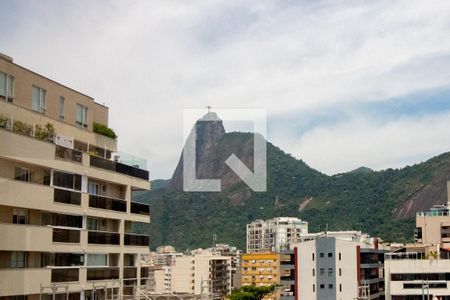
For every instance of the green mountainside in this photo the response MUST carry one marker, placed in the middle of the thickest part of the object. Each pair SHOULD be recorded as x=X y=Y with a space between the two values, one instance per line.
x=381 y=203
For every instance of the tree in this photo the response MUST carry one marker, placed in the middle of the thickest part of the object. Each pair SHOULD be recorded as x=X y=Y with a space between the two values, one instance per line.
x=251 y=292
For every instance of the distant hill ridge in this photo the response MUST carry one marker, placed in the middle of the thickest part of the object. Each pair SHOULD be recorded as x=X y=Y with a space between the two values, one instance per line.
x=382 y=203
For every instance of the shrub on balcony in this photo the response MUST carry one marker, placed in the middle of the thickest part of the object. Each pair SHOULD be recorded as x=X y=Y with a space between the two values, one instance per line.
x=22 y=128
x=104 y=130
x=3 y=121
x=44 y=132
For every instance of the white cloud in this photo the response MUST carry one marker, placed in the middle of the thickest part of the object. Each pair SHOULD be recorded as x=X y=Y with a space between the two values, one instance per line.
x=379 y=145
x=150 y=59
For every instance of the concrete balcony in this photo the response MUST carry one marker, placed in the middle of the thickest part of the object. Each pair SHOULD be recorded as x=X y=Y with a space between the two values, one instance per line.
x=23 y=281
x=21 y=237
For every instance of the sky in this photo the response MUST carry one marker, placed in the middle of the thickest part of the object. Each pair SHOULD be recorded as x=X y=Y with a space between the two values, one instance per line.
x=345 y=83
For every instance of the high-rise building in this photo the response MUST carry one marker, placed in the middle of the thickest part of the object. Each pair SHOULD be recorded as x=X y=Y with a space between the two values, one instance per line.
x=261 y=269
x=275 y=234
x=66 y=210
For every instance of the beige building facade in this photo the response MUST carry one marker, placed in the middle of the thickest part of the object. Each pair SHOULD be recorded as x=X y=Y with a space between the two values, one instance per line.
x=66 y=214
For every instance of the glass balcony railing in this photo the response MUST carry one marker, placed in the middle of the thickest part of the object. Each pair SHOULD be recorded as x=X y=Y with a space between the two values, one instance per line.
x=140 y=208
x=107 y=203
x=130 y=272
x=68 y=197
x=105 y=238
x=118 y=167
x=103 y=273
x=66 y=236
x=68 y=154
x=65 y=274
x=136 y=239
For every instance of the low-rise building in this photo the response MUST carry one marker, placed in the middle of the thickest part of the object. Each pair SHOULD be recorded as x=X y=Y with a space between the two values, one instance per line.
x=261 y=269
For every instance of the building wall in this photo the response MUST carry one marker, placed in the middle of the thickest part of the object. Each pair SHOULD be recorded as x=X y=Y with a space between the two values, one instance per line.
x=24 y=80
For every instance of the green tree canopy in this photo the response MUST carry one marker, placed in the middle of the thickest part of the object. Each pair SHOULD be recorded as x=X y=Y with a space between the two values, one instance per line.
x=251 y=292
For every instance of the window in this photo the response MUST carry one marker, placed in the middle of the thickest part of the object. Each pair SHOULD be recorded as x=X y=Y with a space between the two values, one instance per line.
x=340 y=287
x=330 y=286
x=6 y=86
x=340 y=272
x=330 y=254
x=321 y=254
x=322 y=271
x=314 y=288
x=322 y=286
x=314 y=272
x=67 y=180
x=313 y=256
x=19 y=216
x=18 y=259
x=93 y=188
x=98 y=260
x=340 y=256
x=61 y=107
x=81 y=115
x=330 y=271
x=38 y=100
x=22 y=174
x=93 y=224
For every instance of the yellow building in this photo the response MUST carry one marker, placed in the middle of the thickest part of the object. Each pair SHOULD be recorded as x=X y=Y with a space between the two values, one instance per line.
x=66 y=215
x=261 y=269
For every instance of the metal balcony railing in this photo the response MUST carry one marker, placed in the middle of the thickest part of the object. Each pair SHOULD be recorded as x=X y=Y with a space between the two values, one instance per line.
x=103 y=202
x=140 y=208
x=103 y=273
x=68 y=154
x=66 y=236
x=136 y=239
x=68 y=197
x=65 y=275
x=118 y=167
x=105 y=238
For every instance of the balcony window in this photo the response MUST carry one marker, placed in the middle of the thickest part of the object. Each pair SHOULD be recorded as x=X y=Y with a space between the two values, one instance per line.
x=62 y=259
x=18 y=259
x=81 y=117
x=106 y=238
x=38 y=100
x=68 y=153
x=22 y=174
x=62 y=220
x=61 y=107
x=6 y=86
x=97 y=260
x=140 y=208
x=19 y=216
x=104 y=273
x=67 y=180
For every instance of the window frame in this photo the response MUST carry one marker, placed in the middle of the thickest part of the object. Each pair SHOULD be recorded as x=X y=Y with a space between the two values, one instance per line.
x=42 y=102
x=83 y=122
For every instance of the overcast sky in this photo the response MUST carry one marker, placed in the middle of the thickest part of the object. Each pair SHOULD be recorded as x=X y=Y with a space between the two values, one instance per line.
x=345 y=83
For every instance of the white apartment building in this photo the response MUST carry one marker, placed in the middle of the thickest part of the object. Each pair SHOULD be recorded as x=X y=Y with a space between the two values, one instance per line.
x=275 y=234
x=328 y=267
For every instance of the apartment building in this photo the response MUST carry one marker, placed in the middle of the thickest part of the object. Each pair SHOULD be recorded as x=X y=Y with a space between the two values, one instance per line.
x=235 y=266
x=422 y=270
x=261 y=269
x=287 y=275
x=66 y=211
x=202 y=273
x=275 y=234
x=331 y=268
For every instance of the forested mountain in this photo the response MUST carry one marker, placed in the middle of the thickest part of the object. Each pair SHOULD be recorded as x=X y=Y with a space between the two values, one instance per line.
x=382 y=203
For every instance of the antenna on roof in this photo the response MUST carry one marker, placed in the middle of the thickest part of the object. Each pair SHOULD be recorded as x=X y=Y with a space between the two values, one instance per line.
x=209 y=108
